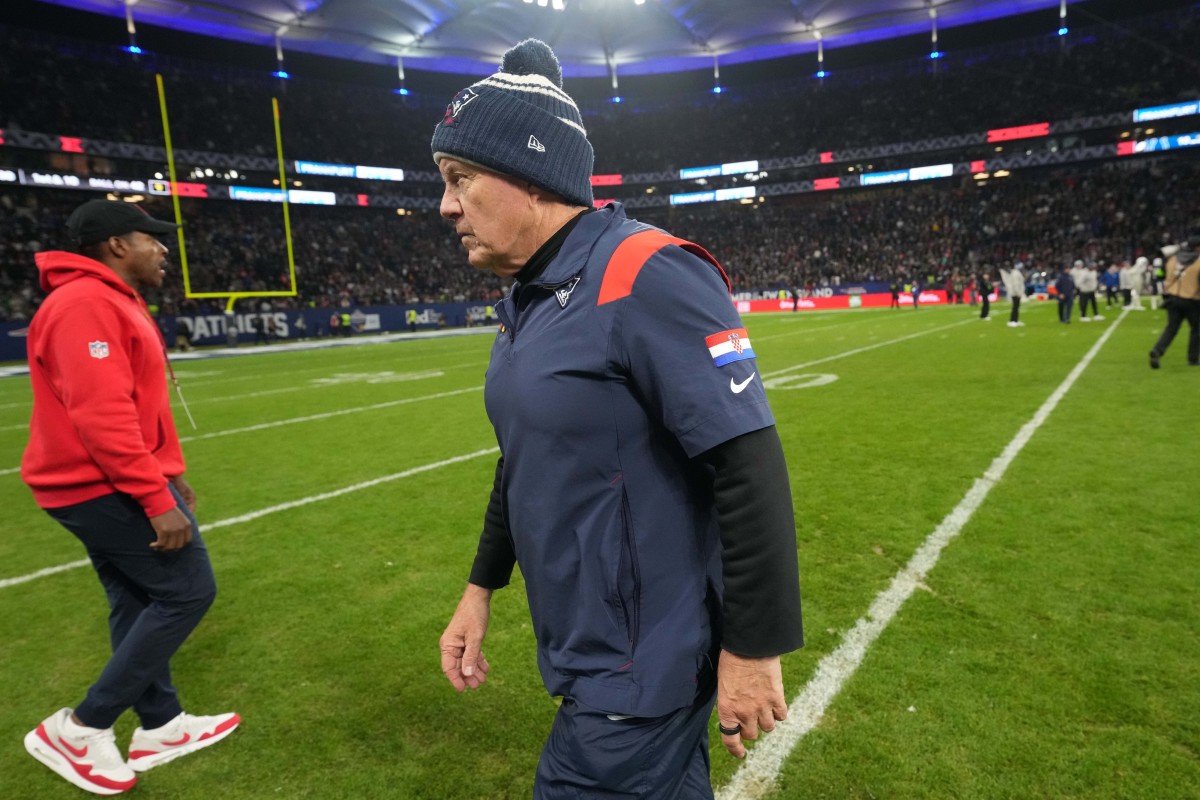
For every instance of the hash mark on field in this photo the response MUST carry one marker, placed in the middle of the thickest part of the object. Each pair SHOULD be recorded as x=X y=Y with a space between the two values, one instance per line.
x=756 y=777
x=262 y=512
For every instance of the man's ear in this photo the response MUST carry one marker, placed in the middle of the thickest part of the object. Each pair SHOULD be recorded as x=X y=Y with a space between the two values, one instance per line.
x=535 y=193
x=117 y=245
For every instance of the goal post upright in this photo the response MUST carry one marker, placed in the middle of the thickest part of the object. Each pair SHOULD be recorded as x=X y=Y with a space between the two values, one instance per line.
x=162 y=105
x=230 y=296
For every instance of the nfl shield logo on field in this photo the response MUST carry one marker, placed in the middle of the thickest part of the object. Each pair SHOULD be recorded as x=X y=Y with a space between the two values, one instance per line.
x=98 y=349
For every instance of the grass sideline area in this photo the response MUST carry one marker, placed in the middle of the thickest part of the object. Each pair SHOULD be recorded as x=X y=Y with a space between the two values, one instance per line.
x=1050 y=653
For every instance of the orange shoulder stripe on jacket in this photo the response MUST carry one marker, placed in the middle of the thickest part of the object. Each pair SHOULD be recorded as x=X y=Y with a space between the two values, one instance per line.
x=633 y=253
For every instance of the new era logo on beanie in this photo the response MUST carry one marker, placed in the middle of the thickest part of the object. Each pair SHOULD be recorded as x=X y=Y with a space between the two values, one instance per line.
x=520 y=122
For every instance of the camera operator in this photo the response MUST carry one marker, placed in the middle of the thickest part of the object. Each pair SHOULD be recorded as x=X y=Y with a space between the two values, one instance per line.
x=1181 y=298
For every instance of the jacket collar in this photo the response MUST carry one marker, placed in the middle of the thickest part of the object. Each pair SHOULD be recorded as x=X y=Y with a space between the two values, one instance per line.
x=573 y=254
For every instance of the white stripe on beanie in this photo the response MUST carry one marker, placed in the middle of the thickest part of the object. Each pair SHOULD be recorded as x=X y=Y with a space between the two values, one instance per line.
x=538 y=84
x=538 y=89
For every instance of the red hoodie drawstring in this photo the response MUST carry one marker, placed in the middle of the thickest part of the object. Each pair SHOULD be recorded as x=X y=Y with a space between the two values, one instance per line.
x=167 y=358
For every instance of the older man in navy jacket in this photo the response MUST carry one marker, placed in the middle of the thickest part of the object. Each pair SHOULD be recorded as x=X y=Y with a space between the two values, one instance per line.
x=641 y=485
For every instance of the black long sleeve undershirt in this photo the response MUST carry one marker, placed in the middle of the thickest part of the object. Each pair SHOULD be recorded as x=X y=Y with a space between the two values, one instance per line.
x=762 y=615
x=758 y=545
x=494 y=558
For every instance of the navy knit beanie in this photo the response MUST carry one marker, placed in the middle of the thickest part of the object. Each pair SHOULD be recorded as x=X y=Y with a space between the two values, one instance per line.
x=520 y=122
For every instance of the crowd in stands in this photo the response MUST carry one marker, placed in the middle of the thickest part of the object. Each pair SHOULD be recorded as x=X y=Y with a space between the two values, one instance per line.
x=343 y=256
x=350 y=256
x=1014 y=84
x=53 y=86
x=1100 y=214
x=353 y=257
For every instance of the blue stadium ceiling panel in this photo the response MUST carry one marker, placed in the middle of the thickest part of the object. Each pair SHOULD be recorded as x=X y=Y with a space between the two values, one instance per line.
x=591 y=37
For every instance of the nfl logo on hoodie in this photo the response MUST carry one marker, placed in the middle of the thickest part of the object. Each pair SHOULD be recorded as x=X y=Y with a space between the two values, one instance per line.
x=98 y=349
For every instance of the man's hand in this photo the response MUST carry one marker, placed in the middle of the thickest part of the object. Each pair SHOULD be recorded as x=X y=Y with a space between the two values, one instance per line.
x=749 y=696
x=461 y=644
x=186 y=491
x=174 y=531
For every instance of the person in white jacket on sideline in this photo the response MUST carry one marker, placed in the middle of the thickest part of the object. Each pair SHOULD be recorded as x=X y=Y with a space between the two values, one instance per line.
x=1014 y=285
x=1086 y=284
x=1132 y=278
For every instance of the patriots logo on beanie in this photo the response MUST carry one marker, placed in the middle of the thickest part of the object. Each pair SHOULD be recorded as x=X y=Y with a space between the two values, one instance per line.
x=456 y=105
x=522 y=104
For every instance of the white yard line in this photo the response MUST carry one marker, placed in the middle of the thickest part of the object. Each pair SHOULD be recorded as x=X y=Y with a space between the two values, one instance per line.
x=757 y=775
x=4 y=582
x=864 y=315
x=328 y=414
x=262 y=512
x=858 y=350
x=356 y=410
x=41 y=573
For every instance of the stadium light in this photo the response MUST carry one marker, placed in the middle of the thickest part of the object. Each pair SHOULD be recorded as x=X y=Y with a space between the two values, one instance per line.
x=1062 y=18
x=280 y=72
x=131 y=29
x=402 y=90
x=1062 y=31
x=716 y=76
x=612 y=68
x=821 y=73
x=934 y=53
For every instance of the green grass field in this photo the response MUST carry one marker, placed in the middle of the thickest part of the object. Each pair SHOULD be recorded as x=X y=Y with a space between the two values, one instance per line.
x=1053 y=650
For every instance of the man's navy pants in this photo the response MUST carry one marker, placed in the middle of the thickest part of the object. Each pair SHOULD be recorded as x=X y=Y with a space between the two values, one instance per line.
x=155 y=600
x=592 y=755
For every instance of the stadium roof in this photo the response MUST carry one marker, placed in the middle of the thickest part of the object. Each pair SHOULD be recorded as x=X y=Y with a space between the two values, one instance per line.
x=591 y=37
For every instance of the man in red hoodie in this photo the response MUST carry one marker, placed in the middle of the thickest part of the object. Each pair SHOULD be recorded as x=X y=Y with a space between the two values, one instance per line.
x=104 y=461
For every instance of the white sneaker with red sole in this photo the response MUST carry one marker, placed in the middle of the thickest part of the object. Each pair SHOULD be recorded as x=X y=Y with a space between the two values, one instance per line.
x=86 y=757
x=182 y=735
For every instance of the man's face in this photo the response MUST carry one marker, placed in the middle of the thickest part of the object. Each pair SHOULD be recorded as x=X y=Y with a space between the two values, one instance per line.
x=494 y=216
x=145 y=258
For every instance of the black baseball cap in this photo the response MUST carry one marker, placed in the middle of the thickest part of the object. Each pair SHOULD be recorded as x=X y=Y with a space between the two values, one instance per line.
x=96 y=220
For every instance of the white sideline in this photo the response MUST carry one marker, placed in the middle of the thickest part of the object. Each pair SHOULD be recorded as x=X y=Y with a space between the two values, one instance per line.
x=756 y=777
x=262 y=512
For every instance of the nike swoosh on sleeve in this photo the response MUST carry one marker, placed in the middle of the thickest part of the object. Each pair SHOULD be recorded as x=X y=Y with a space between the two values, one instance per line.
x=737 y=388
